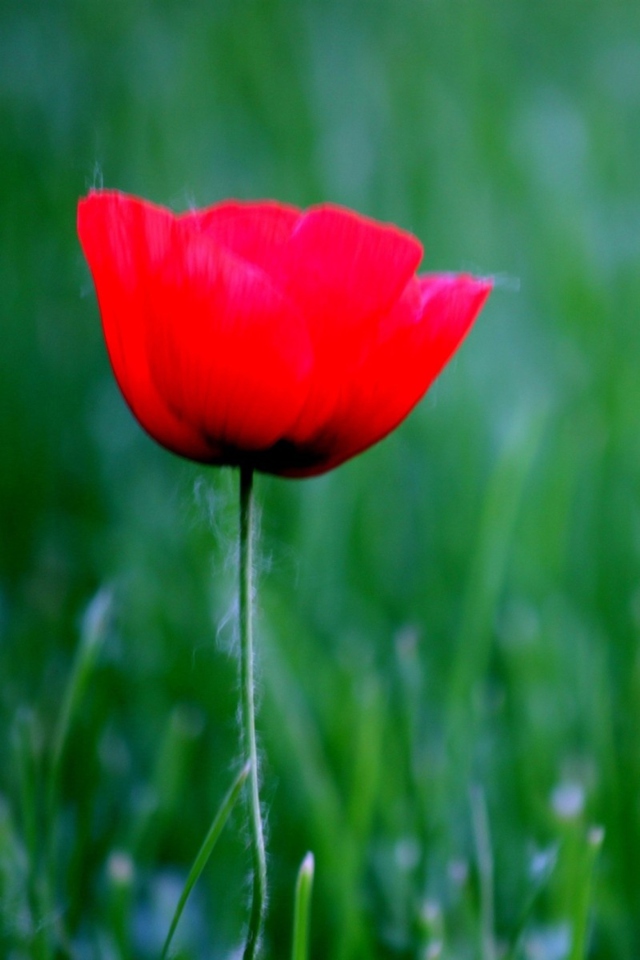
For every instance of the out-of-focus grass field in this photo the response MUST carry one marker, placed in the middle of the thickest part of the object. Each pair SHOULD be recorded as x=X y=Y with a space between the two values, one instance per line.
x=448 y=637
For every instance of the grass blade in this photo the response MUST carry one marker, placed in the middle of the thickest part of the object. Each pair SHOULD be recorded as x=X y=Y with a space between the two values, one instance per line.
x=302 y=902
x=485 y=870
x=204 y=853
x=582 y=900
x=95 y=625
x=541 y=884
x=94 y=630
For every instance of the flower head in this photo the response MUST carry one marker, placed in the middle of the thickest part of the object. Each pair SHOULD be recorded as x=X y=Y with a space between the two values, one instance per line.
x=259 y=334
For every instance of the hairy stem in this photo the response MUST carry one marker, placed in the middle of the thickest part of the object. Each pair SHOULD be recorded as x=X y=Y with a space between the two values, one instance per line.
x=248 y=713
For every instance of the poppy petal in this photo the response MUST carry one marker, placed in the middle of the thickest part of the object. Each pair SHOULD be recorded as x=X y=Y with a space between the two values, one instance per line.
x=116 y=233
x=341 y=262
x=345 y=272
x=228 y=351
x=256 y=232
x=415 y=342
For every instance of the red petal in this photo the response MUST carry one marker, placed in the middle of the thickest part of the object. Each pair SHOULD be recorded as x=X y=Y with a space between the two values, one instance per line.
x=343 y=263
x=345 y=272
x=415 y=342
x=253 y=231
x=118 y=234
x=228 y=351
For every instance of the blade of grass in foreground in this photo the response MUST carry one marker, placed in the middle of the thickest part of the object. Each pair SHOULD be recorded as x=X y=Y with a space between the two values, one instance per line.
x=582 y=899
x=204 y=853
x=304 y=885
x=541 y=882
x=93 y=633
x=95 y=625
x=484 y=856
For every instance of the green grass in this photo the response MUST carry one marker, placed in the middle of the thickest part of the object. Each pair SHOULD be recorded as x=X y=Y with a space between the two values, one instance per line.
x=449 y=671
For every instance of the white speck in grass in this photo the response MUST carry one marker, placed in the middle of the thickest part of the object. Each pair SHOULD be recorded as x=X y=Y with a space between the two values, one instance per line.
x=568 y=799
x=120 y=869
x=430 y=912
x=458 y=872
x=430 y=920
x=407 y=853
x=542 y=862
x=549 y=943
x=595 y=836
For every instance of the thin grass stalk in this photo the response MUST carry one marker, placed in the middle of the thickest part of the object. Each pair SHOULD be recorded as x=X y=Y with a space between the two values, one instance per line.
x=205 y=851
x=301 y=910
x=583 y=893
x=485 y=871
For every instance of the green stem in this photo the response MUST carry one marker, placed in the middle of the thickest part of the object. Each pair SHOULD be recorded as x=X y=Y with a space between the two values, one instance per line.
x=248 y=713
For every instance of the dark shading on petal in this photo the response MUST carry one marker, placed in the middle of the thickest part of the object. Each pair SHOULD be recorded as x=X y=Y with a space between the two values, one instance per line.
x=415 y=342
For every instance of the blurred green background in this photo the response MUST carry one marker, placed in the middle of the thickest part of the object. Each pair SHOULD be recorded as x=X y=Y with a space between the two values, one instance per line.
x=449 y=660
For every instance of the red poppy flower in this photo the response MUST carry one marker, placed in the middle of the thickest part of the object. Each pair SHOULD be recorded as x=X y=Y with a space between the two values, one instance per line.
x=259 y=334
